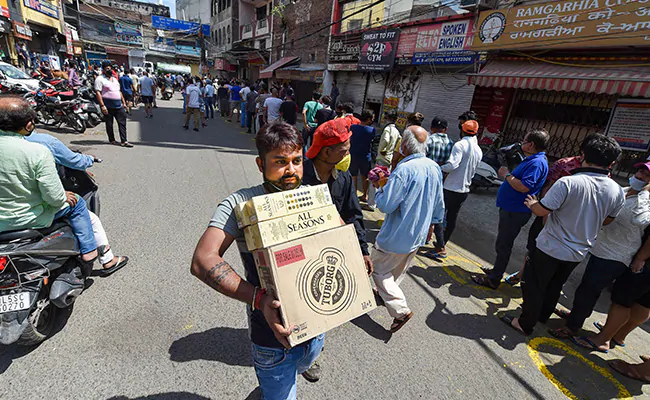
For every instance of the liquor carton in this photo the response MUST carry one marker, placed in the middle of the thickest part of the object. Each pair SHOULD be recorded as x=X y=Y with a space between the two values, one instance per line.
x=320 y=281
x=274 y=205
x=289 y=227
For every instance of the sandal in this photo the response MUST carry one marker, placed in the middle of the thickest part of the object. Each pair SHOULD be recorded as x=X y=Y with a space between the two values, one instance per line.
x=615 y=343
x=121 y=262
x=398 y=323
x=483 y=280
x=115 y=143
x=644 y=358
x=513 y=279
x=564 y=314
x=628 y=370
x=585 y=342
x=506 y=319
x=126 y=144
x=561 y=333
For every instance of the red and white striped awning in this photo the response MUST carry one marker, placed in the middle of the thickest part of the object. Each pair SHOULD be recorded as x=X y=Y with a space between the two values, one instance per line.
x=632 y=81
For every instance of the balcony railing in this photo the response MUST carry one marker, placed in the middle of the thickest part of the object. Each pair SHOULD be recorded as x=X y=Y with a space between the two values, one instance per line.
x=246 y=31
x=262 y=27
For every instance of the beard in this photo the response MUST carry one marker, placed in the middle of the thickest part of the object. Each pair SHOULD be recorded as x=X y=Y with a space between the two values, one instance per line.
x=287 y=182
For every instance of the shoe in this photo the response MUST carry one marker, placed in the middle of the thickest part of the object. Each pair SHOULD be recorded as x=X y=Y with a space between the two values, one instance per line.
x=186 y=127
x=313 y=373
x=196 y=129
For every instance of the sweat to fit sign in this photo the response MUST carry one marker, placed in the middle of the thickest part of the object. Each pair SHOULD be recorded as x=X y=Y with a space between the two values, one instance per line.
x=378 y=49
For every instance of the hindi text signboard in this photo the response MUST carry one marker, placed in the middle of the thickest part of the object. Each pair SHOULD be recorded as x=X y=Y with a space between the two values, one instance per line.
x=628 y=124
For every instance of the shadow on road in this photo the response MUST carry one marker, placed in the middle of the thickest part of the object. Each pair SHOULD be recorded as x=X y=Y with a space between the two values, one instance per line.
x=164 y=396
x=9 y=353
x=256 y=394
x=372 y=328
x=223 y=344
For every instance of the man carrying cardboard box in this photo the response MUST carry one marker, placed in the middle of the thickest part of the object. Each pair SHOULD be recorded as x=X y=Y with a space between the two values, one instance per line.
x=412 y=201
x=276 y=364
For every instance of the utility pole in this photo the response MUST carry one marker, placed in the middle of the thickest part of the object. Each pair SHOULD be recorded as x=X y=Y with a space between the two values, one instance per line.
x=202 y=44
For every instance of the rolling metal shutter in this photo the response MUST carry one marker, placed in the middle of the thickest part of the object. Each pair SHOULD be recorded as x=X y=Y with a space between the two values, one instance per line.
x=352 y=86
x=446 y=96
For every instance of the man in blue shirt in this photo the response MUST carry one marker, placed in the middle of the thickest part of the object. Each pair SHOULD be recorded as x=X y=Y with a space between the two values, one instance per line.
x=235 y=101
x=126 y=87
x=412 y=201
x=361 y=151
x=73 y=160
x=527 y=179
x=208 y=98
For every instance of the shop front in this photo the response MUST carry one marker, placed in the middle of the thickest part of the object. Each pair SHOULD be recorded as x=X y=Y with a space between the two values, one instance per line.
x=575 y=86
x=7 y=53
x=343 y=58
x=429 y=74
x=118 y=55
x=304 y=79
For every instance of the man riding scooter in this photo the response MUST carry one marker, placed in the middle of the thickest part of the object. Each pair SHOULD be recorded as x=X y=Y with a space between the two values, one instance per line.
x=67 y=158
x=31 y=193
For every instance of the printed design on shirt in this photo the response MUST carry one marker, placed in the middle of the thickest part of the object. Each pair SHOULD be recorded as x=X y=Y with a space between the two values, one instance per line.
x=326 y=284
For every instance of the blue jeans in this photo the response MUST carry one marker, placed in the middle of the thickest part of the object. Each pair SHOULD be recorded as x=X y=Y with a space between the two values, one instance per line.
x=243 y=114
x=82 y=228
x=184 y=102
x=277 y=369
x=209 y=108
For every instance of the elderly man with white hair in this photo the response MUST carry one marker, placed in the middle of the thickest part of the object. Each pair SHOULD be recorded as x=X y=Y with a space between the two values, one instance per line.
x=413 y=202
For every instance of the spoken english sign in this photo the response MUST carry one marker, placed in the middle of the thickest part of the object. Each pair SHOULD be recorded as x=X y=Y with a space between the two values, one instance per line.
x=378 y=50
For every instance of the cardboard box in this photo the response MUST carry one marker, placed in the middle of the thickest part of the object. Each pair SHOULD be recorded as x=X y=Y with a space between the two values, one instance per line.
x=320 y=280
x=275 y=205
x=290 y=227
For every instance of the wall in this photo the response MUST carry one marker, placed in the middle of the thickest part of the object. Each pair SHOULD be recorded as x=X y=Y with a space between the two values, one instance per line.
x=129 y=15
x=195 y=10
x=300 y=18
x=133 y=6
x=370 y=17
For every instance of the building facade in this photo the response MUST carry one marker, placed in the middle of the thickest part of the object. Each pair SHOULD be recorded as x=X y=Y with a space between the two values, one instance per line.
x=572 y=68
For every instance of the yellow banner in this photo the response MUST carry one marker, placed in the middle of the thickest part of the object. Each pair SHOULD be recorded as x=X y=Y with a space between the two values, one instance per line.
x=565 y=24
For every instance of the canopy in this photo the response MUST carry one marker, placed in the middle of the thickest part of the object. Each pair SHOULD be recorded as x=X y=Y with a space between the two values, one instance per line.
x=629 y=81
x=268 y=71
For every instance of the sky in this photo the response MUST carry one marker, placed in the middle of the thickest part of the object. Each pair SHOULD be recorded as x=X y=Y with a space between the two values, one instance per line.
x=169 y=3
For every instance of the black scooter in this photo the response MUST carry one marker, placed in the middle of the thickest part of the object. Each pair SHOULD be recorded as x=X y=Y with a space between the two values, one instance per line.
x=41 y=271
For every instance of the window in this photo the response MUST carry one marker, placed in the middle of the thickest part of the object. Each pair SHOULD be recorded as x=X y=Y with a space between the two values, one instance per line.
x=354 y=24
x=227 y=3
x=263 y=44
x=312 y=57
x=260 y=13
x=219 y=37
x=228 y=32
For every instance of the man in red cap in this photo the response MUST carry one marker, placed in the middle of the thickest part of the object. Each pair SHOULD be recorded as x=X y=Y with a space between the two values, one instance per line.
x=460 y=167
x=330 y=145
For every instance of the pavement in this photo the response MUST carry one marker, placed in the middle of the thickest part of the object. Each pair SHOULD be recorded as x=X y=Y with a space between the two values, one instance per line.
x=153 y=331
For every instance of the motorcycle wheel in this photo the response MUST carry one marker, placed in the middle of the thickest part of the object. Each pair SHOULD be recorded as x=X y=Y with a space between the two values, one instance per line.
x=48 y=119
x=41 y=322
x=78 y=124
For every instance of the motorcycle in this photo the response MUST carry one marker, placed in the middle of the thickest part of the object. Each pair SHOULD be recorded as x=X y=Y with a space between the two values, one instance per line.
x=495 y=157
x=167 y=93
x=51 y=110
x=41 y=272
x=90 y=106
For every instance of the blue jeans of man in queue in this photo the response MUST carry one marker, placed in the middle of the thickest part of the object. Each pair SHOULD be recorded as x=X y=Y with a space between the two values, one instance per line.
x=277 y=369
x=242 y=110
x=209 y=108
x=184 y=102
x=82 y=227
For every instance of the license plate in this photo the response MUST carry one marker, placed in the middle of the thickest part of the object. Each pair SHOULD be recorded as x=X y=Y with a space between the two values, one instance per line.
x=14 y=302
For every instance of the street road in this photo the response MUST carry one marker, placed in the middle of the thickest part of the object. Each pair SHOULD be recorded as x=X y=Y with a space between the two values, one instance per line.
x=153 y=331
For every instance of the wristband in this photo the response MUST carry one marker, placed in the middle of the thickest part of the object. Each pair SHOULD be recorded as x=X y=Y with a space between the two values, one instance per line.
x=258 y=297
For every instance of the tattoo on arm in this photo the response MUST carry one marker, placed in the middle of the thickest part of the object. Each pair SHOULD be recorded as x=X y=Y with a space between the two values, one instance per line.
x=218 y=274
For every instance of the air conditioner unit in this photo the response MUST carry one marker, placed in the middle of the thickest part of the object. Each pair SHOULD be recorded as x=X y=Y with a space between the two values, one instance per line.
x=477 y=4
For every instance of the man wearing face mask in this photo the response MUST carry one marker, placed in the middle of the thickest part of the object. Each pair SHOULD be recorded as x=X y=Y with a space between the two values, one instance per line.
x=326 y=163
x=276 y=364
x=109 y=95
x=614 y=251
